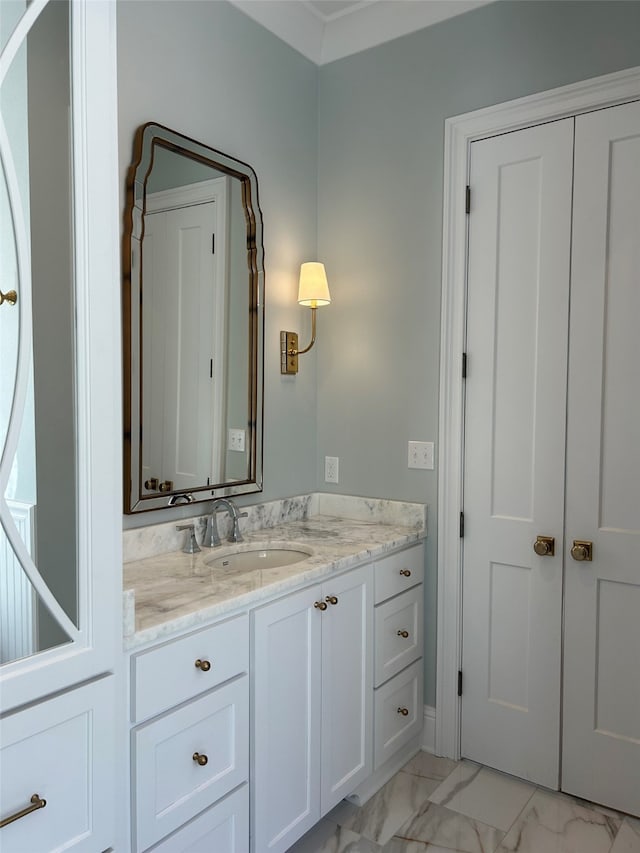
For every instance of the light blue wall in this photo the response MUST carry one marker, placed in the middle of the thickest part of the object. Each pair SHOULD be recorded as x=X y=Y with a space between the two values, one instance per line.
x=210 y=72
x=351 y=155
x=380 y=177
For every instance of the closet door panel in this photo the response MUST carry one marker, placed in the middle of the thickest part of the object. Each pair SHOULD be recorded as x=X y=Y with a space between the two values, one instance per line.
x=518 y=283
x=601 y=758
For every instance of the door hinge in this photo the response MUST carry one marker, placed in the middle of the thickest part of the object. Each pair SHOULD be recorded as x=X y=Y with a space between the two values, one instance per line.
x=464 y=365
x=461 y=525
x=459 y=682
x=467 y=199
x=213 y=244
x=210 y=368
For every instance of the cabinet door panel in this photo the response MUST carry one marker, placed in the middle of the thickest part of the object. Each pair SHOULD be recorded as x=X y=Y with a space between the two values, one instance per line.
x=171 y=786
x=61 y=750
x=286 y=703
x=398 y=572
x=399 y=633
x=167 y=675
x=347 y=685
x=394 y=728
x=224 y=828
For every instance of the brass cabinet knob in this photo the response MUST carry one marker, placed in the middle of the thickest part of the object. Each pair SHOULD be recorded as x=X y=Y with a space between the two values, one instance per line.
x=406 y=573
x=200 y=759
x=403 y=711
x=203 y=665
x=10 y=296
x=404 y=634
x=151 y=484
x=166 y=486
x=320 y=605
x=582 y=550
x=332 y=599
x=545 y=546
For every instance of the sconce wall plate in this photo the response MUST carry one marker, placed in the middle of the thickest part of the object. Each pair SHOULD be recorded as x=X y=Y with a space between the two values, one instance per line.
x=288 y=353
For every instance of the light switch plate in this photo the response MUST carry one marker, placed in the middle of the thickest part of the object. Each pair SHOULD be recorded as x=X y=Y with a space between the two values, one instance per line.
x=236 y=439
x=421 y=454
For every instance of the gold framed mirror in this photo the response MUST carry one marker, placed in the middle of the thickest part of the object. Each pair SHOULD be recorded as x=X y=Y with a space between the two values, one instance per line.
x=193 y=316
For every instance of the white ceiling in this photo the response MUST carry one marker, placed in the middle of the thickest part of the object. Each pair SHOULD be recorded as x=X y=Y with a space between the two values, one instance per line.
x=325 y=30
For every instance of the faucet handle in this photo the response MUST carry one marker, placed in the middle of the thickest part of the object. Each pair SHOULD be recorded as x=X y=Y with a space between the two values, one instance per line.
x=211 y=535
x=191 y=543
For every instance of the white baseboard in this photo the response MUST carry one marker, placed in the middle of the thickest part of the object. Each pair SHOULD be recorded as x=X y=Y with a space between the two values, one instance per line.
x=429 y=729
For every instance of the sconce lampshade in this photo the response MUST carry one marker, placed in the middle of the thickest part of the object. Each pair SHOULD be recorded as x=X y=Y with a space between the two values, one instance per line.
x=314 y=288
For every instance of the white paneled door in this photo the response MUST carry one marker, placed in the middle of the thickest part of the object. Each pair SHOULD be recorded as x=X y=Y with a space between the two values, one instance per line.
x=543 y=234
x=519 y=251
x=601 y=756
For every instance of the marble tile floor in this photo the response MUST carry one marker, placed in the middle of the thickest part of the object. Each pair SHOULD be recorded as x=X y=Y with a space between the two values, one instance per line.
x=434 y=805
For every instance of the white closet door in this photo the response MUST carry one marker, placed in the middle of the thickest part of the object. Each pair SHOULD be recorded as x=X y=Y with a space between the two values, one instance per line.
x=601 y=757
x=519 y=239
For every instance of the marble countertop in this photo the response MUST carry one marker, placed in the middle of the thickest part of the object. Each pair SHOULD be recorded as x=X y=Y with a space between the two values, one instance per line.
x=173 y=592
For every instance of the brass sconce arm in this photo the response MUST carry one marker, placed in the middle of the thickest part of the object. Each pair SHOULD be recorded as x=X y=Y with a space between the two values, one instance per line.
x=313 y=293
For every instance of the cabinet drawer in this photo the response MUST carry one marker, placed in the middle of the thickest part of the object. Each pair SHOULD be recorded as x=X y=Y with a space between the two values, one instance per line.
x=224 y=828
x=170 y=785
x=398 y=572
x=393 y=728
x=399 y=633
x=61 y=750
x=167 y=675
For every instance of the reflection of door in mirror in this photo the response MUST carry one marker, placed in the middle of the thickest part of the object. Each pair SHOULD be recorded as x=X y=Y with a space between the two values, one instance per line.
x=183 y=334
x=38 y=583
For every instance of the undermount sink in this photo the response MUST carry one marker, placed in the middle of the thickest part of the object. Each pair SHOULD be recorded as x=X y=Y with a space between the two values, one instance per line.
x=251 y=559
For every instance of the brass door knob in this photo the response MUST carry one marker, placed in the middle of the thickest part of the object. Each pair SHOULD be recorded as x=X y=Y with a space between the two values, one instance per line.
x=404 y=634
x=582 y=550
x=203 y=665
x=403 y=711
x=320 y=605
x=545 y=546
x=406 y=573
x=200 y=759
x=332 y=599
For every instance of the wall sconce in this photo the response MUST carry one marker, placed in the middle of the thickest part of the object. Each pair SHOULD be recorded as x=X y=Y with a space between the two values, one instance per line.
x=313 y=292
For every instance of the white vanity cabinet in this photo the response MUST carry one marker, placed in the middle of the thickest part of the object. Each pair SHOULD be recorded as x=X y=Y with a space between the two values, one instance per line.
x=312 y=694
x=399 y=645
x=190 y=744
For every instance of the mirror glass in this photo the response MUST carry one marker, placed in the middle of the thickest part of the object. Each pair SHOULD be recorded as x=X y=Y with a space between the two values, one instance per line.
x=193 y=324
x=38 y=494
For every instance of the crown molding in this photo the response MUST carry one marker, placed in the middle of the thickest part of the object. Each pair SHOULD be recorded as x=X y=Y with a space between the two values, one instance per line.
x=325 y=38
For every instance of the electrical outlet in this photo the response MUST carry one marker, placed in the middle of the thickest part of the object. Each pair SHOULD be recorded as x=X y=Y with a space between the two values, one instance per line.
x=236 y=439
x=421 y=454
x=331 y=469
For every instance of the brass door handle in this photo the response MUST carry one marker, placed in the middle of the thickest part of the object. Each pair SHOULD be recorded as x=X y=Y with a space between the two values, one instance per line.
x=332 y=599
x=36 y=803
x=200 y=759
x=203 y=665
x=545 y=546
x=403 y=711
x=320 y=605
x=11 y=297
x=406 y=573
x=582 y=550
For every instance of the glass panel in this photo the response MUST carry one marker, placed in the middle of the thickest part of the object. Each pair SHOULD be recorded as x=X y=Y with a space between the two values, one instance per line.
x=37 y=393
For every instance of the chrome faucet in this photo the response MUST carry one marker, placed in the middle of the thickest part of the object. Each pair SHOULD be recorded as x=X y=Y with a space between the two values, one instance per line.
x=211 y=536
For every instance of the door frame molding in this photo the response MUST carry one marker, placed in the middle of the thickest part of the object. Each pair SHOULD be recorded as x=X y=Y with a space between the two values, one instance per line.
x=460 y=132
